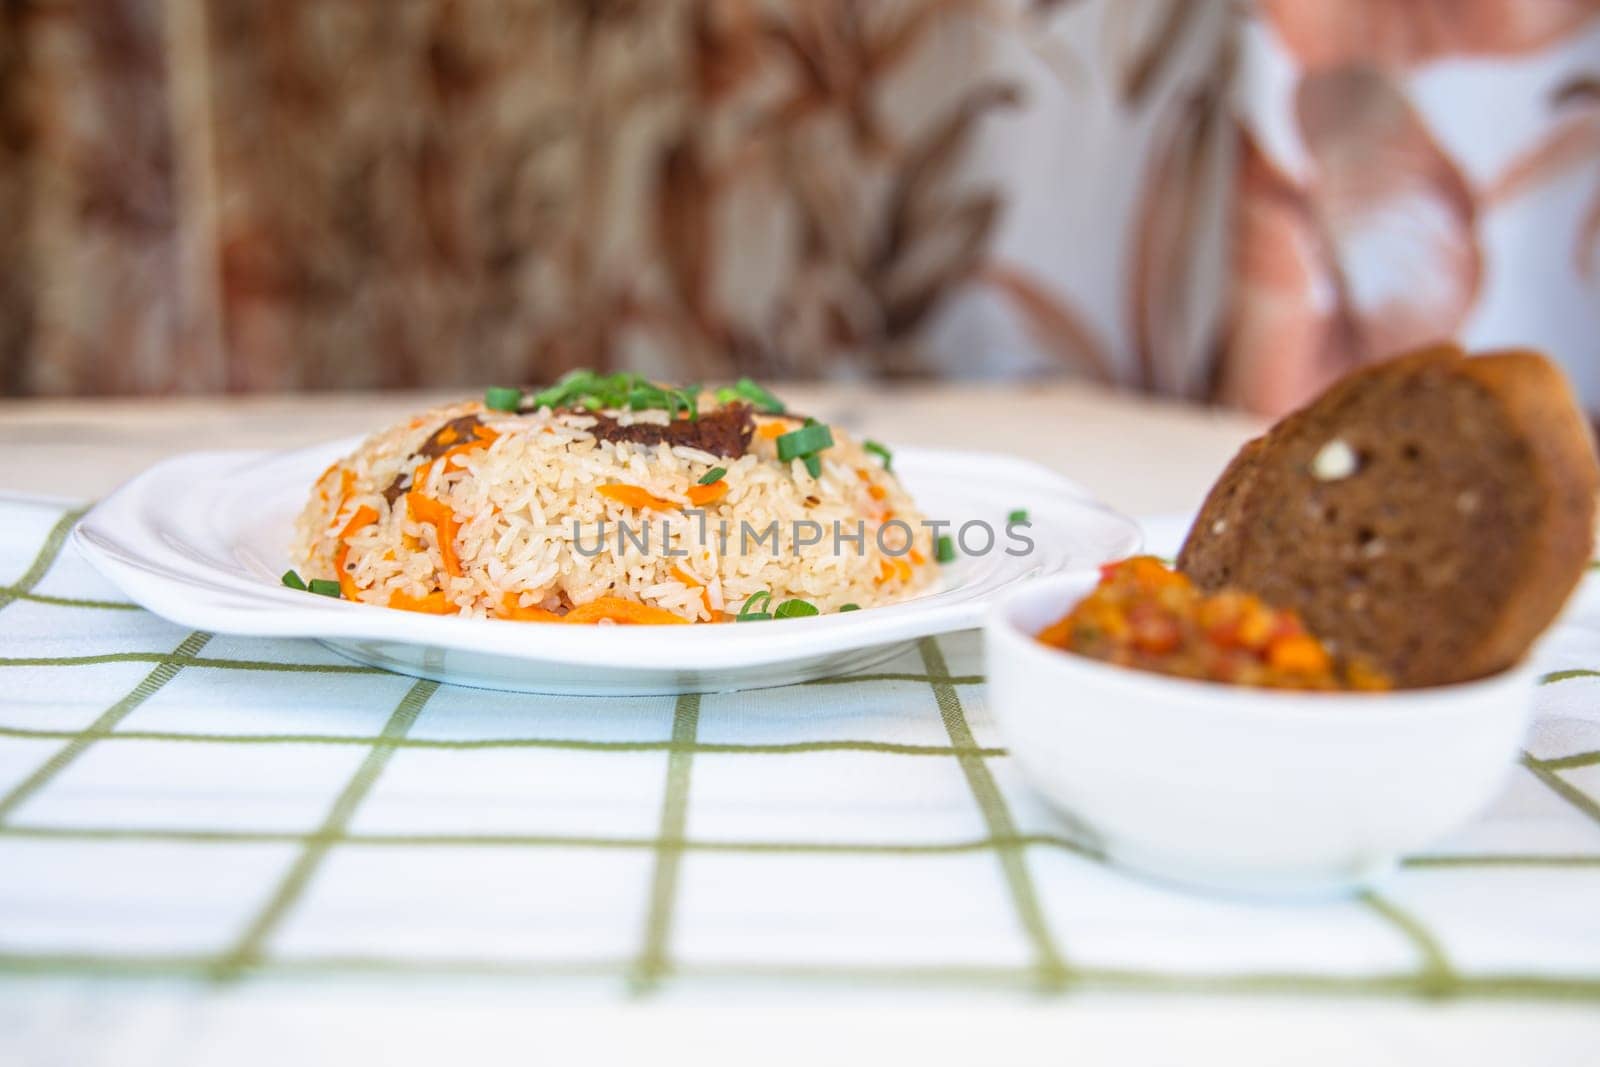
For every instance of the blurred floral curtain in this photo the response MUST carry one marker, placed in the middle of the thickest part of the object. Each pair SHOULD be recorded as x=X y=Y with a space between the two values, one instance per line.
x=1410 y=170
x=1196 y=197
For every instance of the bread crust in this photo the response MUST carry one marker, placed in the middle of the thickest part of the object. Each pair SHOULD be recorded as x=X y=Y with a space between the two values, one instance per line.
x=1248 y=533
x=1538 y=400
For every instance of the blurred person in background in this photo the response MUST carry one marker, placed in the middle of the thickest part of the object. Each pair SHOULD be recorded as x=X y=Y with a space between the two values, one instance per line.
x=1228 y=202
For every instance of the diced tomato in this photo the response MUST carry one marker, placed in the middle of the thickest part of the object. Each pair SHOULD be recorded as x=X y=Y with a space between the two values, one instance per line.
x=1153 y=630
x=1145 y=614
x=1298 y=654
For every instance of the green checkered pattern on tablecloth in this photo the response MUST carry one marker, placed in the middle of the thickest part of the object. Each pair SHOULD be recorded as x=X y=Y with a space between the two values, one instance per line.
x=176 y=803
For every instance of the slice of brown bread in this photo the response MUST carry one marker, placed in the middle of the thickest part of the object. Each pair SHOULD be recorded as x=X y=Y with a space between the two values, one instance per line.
x=1430 y=513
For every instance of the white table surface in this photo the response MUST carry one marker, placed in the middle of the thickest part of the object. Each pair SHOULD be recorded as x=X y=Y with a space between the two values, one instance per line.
x=1138 y=456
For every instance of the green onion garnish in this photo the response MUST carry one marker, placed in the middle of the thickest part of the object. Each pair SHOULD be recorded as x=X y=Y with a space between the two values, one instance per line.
x=881 y=452
x=813 y=464
x=686 y=401
x=849 y=607
x=795 y=609
x=750 y=612
x=324 y=587
x=645 y=397
x=945 y=549
x=1018 y=516
x=764 y=401
x=590 y=391
x=501 y=398
x=753 y=394
x=294 y=581
x=571 y=386
x=804 y=442
x=713 y=476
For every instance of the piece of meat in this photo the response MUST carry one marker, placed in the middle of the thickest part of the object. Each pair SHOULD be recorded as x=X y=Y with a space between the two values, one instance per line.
x=398 y=487
x=457 y=431
x=724 y=432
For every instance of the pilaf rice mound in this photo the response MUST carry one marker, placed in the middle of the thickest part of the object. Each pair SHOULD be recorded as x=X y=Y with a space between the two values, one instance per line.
x=498 y=514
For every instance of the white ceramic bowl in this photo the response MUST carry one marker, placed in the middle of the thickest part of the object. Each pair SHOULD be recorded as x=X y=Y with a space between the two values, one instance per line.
x=1255 y=791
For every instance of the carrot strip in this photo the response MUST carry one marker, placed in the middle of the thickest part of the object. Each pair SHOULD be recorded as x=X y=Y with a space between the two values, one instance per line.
x=632 y=496
x=347 y=585
x=877 y=492
x=432 y=604
x=439 y=516
x=630 y=612
x=510 y=609
x=322 y=490
x=689 y=580
x=419 y=477
x=772 y=430
x=485 y=438
x=364 y=516
x=700 y=495
x=443 y=520
x=347 y=478
x=889 y=568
